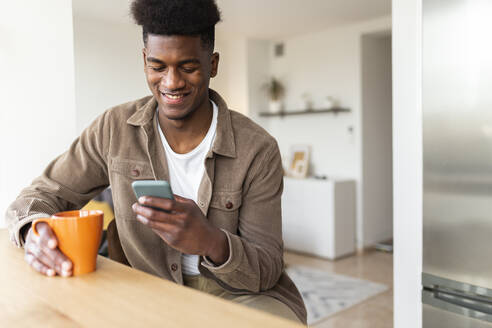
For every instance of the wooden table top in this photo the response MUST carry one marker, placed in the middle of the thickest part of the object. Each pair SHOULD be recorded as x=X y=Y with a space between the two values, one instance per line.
x=113 y=295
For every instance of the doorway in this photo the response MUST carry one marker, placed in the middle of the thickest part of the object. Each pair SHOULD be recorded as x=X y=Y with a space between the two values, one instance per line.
x=377 y=154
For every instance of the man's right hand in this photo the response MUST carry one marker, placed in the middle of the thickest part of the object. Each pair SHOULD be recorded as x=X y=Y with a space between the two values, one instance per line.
x=42 y=252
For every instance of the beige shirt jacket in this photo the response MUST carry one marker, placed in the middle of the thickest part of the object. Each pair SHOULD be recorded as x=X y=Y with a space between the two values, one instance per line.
x=240 y=193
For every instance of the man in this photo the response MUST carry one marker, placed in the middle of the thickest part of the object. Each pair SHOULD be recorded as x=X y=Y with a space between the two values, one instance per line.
x=222 y=233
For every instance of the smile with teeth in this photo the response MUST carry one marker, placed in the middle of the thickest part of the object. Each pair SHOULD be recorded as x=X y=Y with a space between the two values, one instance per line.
x=174 y=96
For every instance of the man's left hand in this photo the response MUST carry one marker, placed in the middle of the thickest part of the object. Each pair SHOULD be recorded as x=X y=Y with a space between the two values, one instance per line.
x=182 y=225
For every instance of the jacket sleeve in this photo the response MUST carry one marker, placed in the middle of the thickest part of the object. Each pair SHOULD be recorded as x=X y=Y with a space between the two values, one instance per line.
x=256 y=253
x=68 y=183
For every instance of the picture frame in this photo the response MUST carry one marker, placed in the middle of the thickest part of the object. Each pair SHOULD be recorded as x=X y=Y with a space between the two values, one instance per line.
x=299 y=161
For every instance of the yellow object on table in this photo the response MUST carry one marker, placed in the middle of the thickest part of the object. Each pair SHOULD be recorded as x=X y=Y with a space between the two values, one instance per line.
x=103 y=206
x=114 y=295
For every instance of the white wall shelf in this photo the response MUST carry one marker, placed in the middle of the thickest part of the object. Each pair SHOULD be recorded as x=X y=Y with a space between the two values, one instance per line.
x=334 y=110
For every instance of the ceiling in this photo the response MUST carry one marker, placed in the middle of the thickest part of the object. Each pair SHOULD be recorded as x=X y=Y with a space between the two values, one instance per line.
x=264 y=19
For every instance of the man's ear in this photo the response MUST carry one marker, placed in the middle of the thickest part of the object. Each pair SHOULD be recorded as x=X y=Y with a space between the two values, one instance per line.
x=215 y=64
x=144 y=53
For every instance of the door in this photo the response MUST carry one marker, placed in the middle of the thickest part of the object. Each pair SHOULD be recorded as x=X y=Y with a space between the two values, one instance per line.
x=457 y=103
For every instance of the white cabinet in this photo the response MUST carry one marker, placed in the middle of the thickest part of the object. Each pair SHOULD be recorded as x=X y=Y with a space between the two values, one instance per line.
x=318 y=217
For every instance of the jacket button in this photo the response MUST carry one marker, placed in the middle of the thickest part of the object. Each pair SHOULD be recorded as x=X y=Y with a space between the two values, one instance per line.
x=135 y=172
x=174 y=267
x=229 y=205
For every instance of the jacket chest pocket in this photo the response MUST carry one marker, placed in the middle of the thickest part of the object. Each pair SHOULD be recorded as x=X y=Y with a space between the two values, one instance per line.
x=224 y=209
x=122 y=173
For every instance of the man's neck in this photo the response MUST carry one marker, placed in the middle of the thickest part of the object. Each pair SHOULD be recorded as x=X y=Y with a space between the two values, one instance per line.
x=185 y=135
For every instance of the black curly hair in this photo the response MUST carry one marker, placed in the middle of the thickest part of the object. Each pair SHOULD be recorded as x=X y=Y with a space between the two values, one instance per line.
x=177 y=17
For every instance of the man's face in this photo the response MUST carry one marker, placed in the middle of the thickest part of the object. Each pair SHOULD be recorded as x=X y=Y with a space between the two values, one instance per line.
x=178 y=70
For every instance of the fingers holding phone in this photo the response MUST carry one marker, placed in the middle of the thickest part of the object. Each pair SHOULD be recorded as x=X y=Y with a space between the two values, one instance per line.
x=178 y=221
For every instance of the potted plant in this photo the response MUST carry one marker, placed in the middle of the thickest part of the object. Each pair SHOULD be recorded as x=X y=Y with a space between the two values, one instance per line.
x=308 y=101
x=330 y=102
x=275 y=91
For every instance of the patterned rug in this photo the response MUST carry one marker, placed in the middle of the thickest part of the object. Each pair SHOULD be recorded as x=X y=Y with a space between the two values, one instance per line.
x=325 y=293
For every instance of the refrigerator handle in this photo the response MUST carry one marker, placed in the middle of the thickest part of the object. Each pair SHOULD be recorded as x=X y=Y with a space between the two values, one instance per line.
x=456 y=304
x=430 y=281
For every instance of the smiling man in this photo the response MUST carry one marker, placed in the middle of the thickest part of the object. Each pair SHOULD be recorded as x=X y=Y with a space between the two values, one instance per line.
x=222 y=233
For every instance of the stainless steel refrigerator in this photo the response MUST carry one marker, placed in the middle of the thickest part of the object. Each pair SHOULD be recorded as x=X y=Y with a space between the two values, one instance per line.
x=457 y=102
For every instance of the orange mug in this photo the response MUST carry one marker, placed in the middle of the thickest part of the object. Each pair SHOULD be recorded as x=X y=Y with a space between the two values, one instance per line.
x=79 y=235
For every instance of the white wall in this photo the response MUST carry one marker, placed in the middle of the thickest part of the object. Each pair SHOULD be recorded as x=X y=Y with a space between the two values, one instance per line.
x=377 y=155
x=108 y=67
x=258 y=54
x=244 y=67
x=37 y=90
x=220 y=82
x=407 y=162
x=232 y=78
x=327 y=63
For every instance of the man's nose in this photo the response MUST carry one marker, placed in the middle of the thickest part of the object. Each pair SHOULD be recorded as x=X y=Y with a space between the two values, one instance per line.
x=173 y=80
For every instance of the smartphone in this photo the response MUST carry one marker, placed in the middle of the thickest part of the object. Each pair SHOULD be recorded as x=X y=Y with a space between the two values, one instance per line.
x=153 y=188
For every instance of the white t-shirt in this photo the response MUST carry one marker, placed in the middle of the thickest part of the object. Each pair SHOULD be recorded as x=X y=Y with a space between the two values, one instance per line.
x=185 y=175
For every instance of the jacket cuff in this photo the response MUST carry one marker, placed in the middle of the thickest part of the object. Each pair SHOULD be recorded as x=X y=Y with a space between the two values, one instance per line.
x=15 y=235
x=236 y=252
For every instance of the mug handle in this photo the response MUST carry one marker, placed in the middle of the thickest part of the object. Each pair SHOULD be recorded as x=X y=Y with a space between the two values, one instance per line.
x=35 y=222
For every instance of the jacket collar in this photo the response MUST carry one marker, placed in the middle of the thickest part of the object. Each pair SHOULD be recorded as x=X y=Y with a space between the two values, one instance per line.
x=145 y=112
x=224 y=143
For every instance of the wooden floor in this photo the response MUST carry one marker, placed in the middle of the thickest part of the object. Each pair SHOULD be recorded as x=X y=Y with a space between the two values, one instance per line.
x=376 y=312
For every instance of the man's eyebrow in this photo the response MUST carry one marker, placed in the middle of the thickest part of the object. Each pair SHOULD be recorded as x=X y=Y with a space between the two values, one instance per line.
x=183 y=62
x=189 y=61
x=154 y=60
